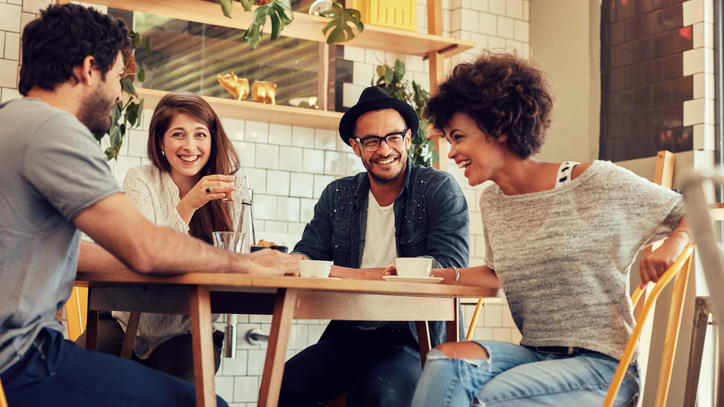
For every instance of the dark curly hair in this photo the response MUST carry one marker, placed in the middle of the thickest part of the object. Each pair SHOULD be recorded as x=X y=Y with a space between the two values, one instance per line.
x=504 y=94
x=61 y=38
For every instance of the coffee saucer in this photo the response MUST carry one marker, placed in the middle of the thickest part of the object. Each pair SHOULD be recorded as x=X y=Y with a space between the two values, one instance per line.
x=407 y=279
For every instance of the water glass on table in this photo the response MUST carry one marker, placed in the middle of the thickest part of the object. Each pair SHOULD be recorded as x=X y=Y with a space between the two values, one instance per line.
x=233 y=241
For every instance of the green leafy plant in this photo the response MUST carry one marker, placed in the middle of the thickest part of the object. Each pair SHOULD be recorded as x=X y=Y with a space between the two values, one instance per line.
x=130 y=110
x=280 y=14
x=422 y=150
x=343 y=20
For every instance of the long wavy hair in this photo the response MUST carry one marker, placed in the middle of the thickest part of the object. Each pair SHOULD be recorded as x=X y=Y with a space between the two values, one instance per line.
x=214 y=215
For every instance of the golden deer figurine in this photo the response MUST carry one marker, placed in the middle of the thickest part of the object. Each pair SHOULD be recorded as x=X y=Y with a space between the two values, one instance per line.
x=264 y=92
x=238 y=87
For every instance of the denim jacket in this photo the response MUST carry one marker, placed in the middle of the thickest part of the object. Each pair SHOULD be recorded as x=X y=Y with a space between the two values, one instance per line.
x=431 y=219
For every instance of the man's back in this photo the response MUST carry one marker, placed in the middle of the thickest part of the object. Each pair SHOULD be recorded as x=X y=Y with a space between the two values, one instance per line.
x=44 y=167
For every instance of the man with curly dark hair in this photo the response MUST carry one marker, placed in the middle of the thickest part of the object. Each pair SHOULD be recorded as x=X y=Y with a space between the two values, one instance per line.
x=560 y=237
x=57 y=182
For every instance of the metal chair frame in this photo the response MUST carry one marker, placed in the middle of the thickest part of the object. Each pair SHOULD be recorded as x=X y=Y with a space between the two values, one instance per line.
x=710 y=254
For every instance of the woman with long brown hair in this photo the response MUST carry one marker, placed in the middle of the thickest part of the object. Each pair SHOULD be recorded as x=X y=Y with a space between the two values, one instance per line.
x=192 y=169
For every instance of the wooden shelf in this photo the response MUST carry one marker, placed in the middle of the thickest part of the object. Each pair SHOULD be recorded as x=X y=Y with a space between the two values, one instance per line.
x=246 y=110
x=304 y=26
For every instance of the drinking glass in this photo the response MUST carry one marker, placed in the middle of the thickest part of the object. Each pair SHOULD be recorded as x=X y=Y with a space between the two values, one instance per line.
x=233 y=241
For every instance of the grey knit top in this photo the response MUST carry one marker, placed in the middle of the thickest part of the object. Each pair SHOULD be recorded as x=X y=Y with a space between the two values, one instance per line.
x=564 y=255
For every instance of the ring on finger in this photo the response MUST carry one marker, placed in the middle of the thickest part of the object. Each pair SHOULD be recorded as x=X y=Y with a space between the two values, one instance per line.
x=208 y=190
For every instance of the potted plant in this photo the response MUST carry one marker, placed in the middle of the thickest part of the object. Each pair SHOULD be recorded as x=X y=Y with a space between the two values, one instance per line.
x=280 y=14
x=422 y=150
x=129 y=110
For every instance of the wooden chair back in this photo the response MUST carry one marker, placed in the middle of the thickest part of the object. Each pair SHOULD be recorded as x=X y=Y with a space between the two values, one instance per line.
x=679 y=274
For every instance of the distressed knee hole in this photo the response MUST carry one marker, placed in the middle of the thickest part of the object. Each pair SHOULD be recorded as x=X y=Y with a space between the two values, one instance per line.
x=462 y=350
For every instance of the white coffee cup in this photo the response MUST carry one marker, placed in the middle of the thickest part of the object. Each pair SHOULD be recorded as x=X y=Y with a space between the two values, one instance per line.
x=315 y=268
x=413 y=266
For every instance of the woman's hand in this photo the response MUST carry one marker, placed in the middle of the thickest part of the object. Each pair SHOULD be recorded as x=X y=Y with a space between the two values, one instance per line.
x=655 y=263
x=208 y=188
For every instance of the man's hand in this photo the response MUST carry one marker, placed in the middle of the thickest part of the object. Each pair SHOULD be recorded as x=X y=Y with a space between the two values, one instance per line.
x=391 y=269
x=274 y=262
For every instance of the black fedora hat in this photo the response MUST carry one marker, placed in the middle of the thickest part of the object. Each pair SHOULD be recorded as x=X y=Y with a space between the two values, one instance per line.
x=374 y=98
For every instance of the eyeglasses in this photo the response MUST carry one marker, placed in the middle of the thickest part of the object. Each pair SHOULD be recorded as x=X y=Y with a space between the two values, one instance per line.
x=373 y=143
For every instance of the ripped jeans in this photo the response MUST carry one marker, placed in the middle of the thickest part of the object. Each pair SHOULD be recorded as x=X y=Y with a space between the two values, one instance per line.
x=514 y=375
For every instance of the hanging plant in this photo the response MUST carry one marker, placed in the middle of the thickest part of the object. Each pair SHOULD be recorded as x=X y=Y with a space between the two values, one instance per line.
x=280 y=15
x=130 y=110
x=422 y=150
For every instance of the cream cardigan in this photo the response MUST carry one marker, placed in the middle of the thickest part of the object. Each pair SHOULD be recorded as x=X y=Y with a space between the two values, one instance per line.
x=156 y=195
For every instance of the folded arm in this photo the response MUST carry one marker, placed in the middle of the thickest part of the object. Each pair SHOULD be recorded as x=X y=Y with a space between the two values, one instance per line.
x=655 y=263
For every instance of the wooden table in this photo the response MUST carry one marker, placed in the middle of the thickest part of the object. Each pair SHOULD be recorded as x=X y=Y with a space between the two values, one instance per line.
x=286 y=298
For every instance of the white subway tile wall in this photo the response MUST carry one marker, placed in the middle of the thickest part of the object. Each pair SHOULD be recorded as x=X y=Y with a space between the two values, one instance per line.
x=289 y=166
x=699 y=61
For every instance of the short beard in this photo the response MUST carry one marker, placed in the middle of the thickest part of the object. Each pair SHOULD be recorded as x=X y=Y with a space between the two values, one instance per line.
x=387 y=180
x=95 y=112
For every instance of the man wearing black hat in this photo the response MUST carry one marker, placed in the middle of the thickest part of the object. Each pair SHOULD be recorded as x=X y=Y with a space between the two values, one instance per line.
x=394 y=209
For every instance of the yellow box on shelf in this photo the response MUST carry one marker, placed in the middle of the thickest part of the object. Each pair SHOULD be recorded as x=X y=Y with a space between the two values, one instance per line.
x=400 y=14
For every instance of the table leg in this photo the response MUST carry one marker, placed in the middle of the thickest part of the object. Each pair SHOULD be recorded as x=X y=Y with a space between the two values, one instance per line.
x=91 y=329
x=453 y=327
x=423 y=339
x=129 y=339
x=200 y=310
x=271 y=380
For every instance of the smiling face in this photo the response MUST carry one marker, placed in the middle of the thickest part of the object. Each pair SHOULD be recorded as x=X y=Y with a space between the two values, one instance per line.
x=481 y=156
x=387 y=163
x=187 y=145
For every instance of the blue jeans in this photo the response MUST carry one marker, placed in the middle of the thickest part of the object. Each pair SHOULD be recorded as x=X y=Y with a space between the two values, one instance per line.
x=57 y=372
x=514 y=375
x=376 y=368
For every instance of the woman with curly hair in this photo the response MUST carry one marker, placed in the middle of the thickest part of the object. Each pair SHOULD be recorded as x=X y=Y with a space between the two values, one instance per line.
x=560 y=237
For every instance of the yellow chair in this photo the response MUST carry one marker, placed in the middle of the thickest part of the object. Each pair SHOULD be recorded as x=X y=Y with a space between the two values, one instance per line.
x=679 y=273
x=76 y=312
x=3 y=401
x=474 y=320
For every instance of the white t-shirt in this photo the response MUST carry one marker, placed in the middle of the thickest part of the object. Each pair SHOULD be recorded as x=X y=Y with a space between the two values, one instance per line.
x=380 y=246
